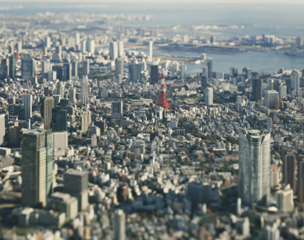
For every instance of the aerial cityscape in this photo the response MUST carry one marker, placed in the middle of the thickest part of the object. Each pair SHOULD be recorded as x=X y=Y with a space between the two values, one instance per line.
x=116 y=124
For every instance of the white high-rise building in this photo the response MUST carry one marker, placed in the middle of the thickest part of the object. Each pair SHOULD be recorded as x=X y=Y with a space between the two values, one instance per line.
x=254 y=167
x=121 y=51
x=283 y=91
x=113 y=48
x=47 y=42
x=60 y=89
x=209 y=96
x=72 y=95
x=90 y=46
x=84 y=90
x=46 y=66
x=119 y=227
x=27 y=101
x=151 y=49
x=295 y=83
x=2 y=128
x=269 y=124
x=284 y=199
x=77 y=37
x=83 y=46
x=271 y=99
x=86 y=67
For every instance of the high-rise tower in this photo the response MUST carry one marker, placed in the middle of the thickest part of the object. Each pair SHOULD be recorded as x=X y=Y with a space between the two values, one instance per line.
x=162 y=101
x=84 y=90
x=254 y=169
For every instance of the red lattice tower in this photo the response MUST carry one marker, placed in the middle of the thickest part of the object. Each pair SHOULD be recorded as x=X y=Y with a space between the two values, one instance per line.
x=162 y=101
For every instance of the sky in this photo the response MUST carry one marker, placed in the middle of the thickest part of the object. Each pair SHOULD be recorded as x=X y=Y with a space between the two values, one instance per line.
x=167 y=1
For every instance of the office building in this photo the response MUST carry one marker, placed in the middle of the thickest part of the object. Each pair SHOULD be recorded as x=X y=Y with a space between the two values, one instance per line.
x=271 y=99
x=209 y=67
x=60 y=72
x=72 y=96
x=2 y=128
x=283 y=91
x=12 y=66
x=77 y=37
x=84 y=90
x=83 y=46
x=60 y=89
x=68 y=70
x=117 y=110
x=208 y=96
x=205 y=72
x=119 y=64
x=27 y=68
x=151 y=50
x=135 y=71
x=60 y=140
x=247 y=73
x=233 y=72
x=85 y=121
x=17 y=110
x=46 y=66
x=28 y=102
x=254 y=167
x=76 y=184
x=47 y=42
x=289 y=169
x=154 y=74
x=301 y=179
x=63 y=202
x=113 y=48
x=119 y=225
x=90 y=46
x=74 y=69
x=195 y=193
x=269 y=124
x=86 y=67
x=121 y=52
x=47 y=105
x=204 y=83
x=284 y=198
x=295 y=89
x=37 y=167
x=256 y=89
x=59 y=116
x=183 y=71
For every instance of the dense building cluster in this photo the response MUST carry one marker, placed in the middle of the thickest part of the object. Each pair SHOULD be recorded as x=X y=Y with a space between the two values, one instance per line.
x=102 y=142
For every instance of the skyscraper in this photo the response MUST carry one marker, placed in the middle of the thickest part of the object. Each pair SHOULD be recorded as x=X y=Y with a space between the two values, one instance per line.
x=86 y=67
x=27 y=101
x=233 y=72
x=183 y=71
x=301 y=178
x=60 y=72
x=74 y=68
x=46 y=66
x=68 y=70
x=272 y=99
x=37 y=167
x=151 y=50
x=27 y=68
x=12 y=66
x=209 y=66
x=90 y=46
x=60 y=89
x=46 y=111
x=154 y=74
x=119 y=227
x=247 y=73
x=121 y=51
x=289 y=169
x=72 y=96
x=254 y=167
x=119 y=63
x=113 y=50
x=295 y=89
x=59 y=116
x=2 y=128
x=117 y=110
x=208 y=96
x=204 y=83
x=256 y=89
x=84 y=90
x=283 y=91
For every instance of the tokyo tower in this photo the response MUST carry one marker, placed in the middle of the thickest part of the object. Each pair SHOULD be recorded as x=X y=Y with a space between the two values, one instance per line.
x=162 y=101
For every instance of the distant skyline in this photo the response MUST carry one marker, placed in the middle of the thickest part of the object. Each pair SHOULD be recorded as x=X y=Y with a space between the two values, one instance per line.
x=165 y=1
